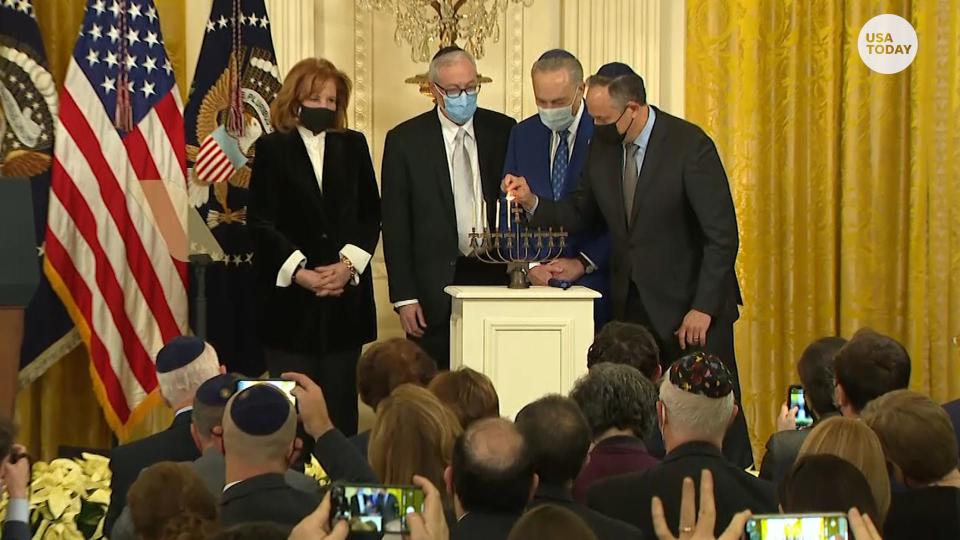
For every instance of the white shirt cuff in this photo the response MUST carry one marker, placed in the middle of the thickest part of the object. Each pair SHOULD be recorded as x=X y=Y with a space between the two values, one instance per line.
x=18 y=510
x=536 y=203
x=589 y=260
x=400 y=304
x=294 y=261
x=358 y=258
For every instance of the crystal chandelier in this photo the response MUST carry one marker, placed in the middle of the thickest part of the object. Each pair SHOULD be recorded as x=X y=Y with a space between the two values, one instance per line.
x=428 y=25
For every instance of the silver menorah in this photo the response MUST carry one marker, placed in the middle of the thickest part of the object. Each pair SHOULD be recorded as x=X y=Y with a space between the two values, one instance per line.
x=517 y=248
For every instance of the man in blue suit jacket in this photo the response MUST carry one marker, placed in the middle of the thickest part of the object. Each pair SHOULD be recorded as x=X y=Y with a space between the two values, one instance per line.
x=549 y=149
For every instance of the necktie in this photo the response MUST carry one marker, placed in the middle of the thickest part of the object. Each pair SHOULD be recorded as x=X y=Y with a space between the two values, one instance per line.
x=558 y=173
x=464 y=196
x=630 y=177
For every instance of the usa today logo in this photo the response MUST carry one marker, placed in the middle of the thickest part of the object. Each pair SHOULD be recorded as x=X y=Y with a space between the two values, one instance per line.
x=887 y=43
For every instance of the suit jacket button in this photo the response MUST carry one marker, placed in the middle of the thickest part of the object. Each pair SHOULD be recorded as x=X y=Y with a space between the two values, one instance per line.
x=453 y=263
x=323 y=236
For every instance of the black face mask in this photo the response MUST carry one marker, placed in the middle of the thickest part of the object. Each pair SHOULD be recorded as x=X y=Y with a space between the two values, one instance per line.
x=609 y=133
x=317 y=119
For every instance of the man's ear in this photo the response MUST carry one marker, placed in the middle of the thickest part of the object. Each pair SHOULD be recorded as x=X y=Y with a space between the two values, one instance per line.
x=733 y=415
x=223 y=370
x=534 y=485
x=217 y=434
x=661 y=415
x=840 y=396
x=448 y=480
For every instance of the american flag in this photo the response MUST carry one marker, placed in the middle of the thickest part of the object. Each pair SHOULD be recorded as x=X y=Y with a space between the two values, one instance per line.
x=116 y=241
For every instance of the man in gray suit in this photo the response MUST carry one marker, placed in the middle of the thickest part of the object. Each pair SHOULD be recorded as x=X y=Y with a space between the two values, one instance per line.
x=207 y=430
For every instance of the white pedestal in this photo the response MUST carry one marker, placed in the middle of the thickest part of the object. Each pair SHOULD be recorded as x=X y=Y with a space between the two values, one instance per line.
x=530 y=342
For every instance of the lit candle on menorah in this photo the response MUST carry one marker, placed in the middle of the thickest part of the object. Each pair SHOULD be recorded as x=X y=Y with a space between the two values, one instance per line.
x=517 y=248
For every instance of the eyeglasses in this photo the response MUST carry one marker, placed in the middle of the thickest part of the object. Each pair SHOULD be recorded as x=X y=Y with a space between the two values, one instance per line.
x=456 y=92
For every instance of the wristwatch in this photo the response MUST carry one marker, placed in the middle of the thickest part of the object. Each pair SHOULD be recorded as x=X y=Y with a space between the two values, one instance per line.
x=588 y=267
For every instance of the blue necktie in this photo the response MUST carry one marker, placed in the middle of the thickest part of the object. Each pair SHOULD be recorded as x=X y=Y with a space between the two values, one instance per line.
x=558 y=173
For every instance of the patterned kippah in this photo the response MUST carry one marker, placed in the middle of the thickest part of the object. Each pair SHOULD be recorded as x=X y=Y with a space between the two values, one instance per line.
x=700 y=373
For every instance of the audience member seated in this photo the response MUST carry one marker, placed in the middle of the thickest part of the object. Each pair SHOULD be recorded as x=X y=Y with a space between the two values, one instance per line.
x=468 y=393
x=551 y=522
x=815 y=369
x=852 y=440
x=696 y=406
x=384 y=366
x=867 y=367
x=259 y=432
x=620 y=405
x=341 y=460
x=491 y=480
x=626 y=343
x=919 y=443
x=413 y=433
x=183 y=365
x=559 y=438
x=252 y=531
x=15 y=479
x=821 y=483
x=168 y=501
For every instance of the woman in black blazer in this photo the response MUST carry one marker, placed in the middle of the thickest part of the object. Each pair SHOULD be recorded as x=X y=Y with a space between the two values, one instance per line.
x=315 y=218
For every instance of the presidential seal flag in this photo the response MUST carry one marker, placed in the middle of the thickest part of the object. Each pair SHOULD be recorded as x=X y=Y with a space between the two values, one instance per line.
x=228 y=110
x=116 y=239
x=28 y=110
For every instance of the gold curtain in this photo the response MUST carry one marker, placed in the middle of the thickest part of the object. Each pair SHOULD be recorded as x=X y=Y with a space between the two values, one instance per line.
x=846 y=182
x=60 y=408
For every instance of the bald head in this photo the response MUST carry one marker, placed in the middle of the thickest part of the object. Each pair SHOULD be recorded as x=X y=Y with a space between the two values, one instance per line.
x=492 y=469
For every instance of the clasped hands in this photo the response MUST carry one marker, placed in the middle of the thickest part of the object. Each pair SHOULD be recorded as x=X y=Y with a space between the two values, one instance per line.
x=324 y=281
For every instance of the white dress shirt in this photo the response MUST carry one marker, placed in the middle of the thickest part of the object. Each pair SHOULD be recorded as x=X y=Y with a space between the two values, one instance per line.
x=316 y=144
x=571 y=135
x=449 y=129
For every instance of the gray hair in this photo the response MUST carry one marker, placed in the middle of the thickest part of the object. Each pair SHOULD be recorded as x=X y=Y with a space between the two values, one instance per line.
x=616 y=396
x=694 y=414
x=447 y=59
x=557 y=59
x=181 y=384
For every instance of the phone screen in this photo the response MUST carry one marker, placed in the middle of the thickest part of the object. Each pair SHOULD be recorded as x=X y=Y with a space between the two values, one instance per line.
x=284 y=386
x=374 y=508
x=797 y=527
x=797 y=399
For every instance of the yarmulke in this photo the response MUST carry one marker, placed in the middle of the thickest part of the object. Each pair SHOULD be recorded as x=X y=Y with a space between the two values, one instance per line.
x=179 y=352
x=260 y=410
x=614 y=70
x=701 y=373
x=217 y=390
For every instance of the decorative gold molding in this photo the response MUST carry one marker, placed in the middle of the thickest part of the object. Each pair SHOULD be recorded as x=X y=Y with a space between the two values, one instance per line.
x=362 y=73
x=514 y=61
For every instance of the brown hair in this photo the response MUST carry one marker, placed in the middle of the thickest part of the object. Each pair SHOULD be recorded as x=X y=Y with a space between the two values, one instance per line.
x=549 y=521
x=855 y=442
x=469 y=394
x=916 y=433
x=305 y=76
x=388 y=364
x=870 y=365
x=168 y=501
x=413 y=433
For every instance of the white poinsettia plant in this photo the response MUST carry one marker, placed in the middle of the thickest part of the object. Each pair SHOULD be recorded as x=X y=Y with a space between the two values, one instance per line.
x=68 y=498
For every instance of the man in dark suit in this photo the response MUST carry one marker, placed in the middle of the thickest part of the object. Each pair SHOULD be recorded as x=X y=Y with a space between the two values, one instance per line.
x=259 y=429
x=696 y=406
x=182 y=366
x=549 y=149
x=559 y=437
x=815 y=369
x=657 y=183
x=15 y=479
x=491 y=480
x=440 y=181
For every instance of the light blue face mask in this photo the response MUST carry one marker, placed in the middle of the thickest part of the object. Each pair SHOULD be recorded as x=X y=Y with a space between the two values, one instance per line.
x=460 y=109
x=560 y=118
